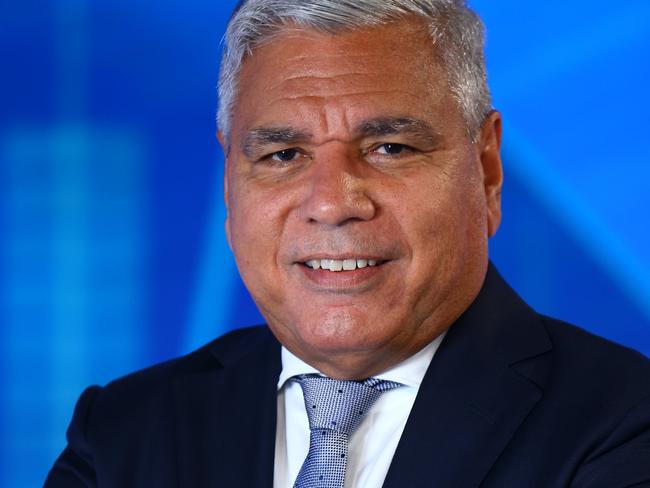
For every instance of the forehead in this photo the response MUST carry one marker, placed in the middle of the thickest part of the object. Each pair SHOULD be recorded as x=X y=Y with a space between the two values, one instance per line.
x=310 y=76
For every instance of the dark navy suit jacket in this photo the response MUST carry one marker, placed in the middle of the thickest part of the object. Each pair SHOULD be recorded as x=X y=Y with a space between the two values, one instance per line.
x=511 y=399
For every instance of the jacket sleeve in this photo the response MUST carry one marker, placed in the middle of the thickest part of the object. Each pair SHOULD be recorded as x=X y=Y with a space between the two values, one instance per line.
x=74 y=468
x=623 y=460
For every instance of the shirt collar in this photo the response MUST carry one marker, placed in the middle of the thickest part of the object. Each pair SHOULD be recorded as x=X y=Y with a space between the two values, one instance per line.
x=409 y=372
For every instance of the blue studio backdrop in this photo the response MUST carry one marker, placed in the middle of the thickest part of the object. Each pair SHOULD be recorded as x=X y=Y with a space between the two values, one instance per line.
x=112 y=252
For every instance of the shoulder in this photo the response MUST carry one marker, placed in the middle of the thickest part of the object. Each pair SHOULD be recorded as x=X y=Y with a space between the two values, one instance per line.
x=598 y=373
x=601 y=390
x=147 y=395
x=146 y=400
x=117 y=429
x=587 y=352
x=214 y=356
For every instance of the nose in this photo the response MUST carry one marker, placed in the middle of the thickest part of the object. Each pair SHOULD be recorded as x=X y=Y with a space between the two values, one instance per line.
x=338 y=190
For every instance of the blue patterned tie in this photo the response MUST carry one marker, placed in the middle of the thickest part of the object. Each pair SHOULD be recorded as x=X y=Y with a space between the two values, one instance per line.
x=335 y=409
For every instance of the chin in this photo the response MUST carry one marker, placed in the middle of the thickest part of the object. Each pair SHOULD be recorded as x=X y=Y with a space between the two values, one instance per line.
x=342 y=337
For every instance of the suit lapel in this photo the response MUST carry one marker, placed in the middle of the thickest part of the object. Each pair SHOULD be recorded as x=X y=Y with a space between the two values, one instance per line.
x=226 y=416
x=481 y=385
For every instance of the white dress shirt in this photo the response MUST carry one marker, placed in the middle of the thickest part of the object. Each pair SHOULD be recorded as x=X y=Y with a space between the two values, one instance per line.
x=372 y=445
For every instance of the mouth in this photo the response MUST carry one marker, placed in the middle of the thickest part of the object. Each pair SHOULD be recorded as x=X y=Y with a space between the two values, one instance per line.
x=347 y=274
x=339 y=265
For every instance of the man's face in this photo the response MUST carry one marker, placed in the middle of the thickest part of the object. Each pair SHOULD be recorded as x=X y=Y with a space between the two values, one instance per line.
x=348 y=151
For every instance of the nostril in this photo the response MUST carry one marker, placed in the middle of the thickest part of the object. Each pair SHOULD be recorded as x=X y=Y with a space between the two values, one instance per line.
x=337 y=210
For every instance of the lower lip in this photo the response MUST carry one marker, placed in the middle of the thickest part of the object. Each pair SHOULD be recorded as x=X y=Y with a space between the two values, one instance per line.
x=340 y=280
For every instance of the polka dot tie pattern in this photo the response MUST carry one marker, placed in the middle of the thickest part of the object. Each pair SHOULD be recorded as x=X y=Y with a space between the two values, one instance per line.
x=335 y=409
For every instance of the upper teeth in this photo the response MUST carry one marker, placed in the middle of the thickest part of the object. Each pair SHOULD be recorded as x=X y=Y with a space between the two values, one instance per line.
x=340 y=264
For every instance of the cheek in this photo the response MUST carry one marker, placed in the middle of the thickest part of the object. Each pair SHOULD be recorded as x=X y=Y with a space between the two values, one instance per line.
x=256 y=220
x=444 y=224
x=246 y=226
x=251 y=212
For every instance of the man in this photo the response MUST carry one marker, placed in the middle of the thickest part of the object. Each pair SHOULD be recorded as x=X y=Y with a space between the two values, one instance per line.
x=363 y=180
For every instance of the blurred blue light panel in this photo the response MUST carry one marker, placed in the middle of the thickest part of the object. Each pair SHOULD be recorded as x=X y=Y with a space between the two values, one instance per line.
x=216 y=271
x=73 y=288
x=607 y=248
x=569 y=79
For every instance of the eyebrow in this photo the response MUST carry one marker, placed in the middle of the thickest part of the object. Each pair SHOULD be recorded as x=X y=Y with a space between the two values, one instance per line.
x=393 y=126
x=264 y=136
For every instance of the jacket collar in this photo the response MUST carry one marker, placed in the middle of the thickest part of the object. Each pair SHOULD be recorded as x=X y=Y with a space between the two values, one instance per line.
x=487 y=376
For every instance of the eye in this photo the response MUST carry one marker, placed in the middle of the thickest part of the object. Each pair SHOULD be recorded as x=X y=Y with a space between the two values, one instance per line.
x=392 y=149
x=284 y=156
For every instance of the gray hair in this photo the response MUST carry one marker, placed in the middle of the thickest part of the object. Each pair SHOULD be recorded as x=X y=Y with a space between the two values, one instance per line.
x=455 y=29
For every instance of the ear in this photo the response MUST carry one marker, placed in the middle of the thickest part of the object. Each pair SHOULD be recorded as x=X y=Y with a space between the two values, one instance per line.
x=224 y=149
x=489 y=147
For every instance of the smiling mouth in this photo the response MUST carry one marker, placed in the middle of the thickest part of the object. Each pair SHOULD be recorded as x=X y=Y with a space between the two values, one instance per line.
x=338 y=265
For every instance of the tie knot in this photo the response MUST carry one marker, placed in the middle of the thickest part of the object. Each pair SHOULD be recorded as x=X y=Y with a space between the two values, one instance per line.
x=339 y=405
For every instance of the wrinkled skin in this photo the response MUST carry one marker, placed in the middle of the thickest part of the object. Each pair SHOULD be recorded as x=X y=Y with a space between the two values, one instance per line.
x=422 y=201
